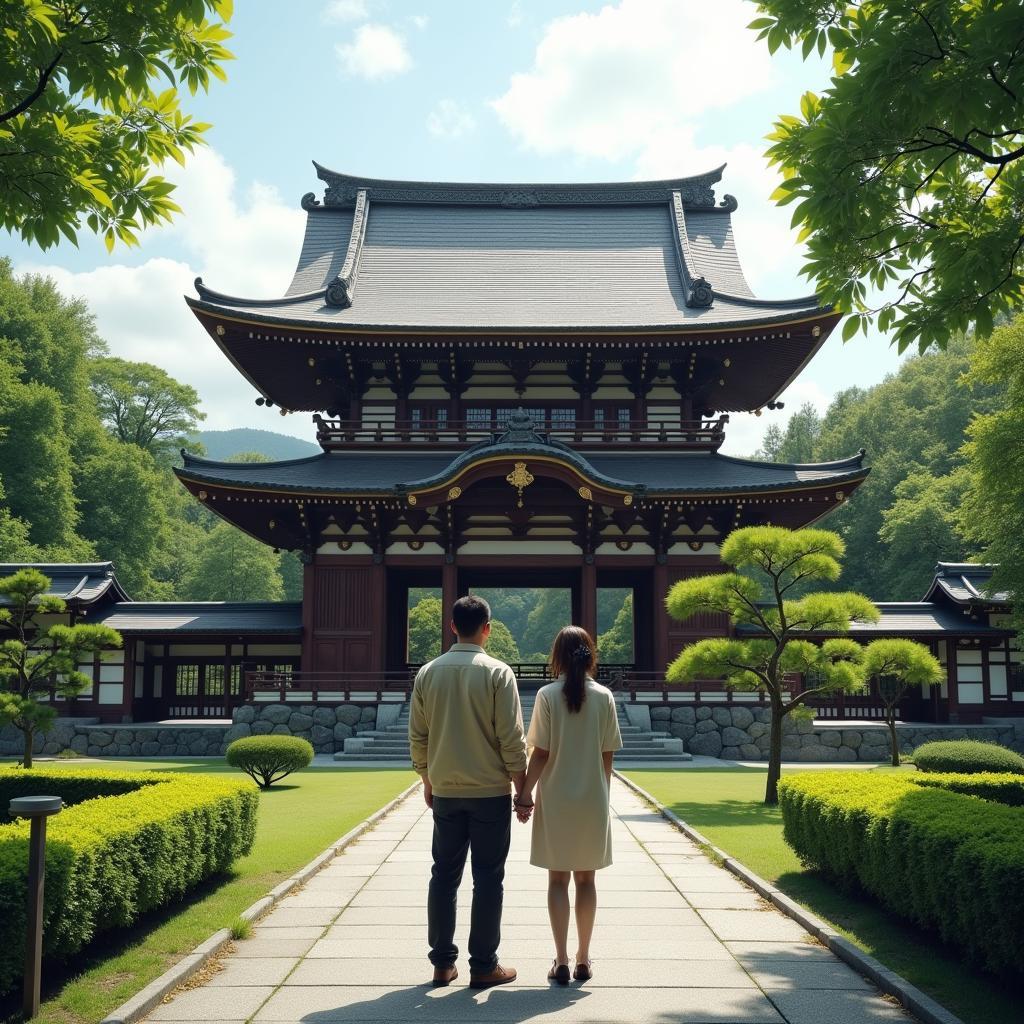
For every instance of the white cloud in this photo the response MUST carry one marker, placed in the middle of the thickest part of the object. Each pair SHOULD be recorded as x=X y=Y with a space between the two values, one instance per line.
x=450 y=120
x=420 y=21
x=346 y=10
x=640 y=80
x=375 y=51
x=610 y=84
x=243 y=244
x=514 y=18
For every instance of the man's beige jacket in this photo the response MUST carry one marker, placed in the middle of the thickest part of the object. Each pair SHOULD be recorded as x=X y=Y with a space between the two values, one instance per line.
x=466 y=724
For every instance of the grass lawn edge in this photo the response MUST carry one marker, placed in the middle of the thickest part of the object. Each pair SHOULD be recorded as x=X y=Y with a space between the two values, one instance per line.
x=888 y=981
x=143 y=1002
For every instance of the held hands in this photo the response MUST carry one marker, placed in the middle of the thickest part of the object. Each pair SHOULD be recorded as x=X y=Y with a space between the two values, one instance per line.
x=523 y=804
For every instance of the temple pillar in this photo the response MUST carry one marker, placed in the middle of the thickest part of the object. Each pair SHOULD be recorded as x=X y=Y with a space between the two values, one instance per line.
x=449 y=595
x=588 y=597
x=659 y=588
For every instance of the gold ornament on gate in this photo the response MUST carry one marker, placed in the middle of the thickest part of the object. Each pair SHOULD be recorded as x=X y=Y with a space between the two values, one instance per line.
x=520 y=478
x=586 y=494
x=412 y=499
x=454 y=493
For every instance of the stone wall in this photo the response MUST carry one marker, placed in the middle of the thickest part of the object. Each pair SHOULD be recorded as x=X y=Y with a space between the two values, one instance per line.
x=326 y=728
x=741 y=734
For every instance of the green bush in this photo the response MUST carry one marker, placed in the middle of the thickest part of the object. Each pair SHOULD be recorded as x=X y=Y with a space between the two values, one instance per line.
x=944 y=860
x=967 y=756
x=74 y=787
x=268 y=759
x=129 y=843
x=1000 y=788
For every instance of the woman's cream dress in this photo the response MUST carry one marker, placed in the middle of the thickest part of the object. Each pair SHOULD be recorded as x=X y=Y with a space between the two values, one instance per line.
x=571 y=825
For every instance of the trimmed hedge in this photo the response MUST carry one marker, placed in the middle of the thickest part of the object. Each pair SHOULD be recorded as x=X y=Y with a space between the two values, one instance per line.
x=967 y=756
x=1000 y=788
x=268 y=759
x=130 y=843
x=944 y=860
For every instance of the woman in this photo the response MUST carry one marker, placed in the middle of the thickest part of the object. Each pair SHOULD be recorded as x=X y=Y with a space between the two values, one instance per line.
x=574 y=732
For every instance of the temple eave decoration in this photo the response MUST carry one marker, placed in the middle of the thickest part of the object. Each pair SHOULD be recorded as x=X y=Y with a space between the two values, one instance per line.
x=518 y=483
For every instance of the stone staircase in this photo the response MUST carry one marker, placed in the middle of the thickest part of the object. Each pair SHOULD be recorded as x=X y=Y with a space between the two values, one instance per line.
x=391 y=742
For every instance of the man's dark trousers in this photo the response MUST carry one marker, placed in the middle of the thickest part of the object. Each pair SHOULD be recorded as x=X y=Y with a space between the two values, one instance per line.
x=482 y=826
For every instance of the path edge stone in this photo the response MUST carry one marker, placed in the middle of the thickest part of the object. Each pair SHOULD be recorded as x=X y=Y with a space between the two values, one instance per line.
x=909 y=996
x=145 y=1001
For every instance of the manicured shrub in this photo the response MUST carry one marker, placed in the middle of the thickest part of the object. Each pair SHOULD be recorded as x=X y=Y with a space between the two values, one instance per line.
x=966 y=756
x=946 y=861
x=1000 y=788
x=130 y=842
x=268 y=759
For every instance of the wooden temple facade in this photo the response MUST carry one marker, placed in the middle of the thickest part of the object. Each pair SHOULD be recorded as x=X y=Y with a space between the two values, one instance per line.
x=511 y=385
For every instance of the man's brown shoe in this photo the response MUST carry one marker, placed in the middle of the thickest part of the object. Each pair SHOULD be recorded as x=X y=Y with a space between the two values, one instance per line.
x=444 y=976
x=499 y=976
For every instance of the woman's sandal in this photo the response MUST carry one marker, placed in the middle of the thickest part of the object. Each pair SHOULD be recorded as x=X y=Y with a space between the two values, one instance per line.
x=584 y=971
x=559 y=973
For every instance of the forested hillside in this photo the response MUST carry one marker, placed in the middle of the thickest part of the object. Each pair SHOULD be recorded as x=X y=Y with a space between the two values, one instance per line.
x=224 y=445
x=907 y=515
x=86 y=445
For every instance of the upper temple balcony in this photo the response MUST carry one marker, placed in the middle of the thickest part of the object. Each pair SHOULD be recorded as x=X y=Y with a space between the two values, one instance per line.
x=461 y=284
x=598 y=434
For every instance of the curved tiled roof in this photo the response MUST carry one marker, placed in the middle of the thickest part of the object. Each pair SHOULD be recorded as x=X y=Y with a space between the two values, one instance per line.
x=79 y=583
x=965 y=583
x=618 y=256
x=382 y=473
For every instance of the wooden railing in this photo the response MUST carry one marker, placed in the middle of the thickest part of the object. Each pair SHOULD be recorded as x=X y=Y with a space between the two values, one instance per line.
x=595 y=434
x=326 y=687
x=635 y=686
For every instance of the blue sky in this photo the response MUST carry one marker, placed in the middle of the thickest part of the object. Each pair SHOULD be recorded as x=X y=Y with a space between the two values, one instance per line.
x=506 y=90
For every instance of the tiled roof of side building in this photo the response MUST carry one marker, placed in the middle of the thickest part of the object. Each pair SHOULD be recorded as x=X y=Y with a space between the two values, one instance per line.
x=619 y=256
x=965 y=583
x=915 y=618
x=280 y=617
x=79 y=583
x=372 y=472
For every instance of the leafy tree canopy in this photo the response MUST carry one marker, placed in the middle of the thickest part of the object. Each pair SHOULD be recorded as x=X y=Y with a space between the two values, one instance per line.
x=905 y=175
x=992 y=515
x=89 y=106
x=144 y=405
x=501 y=644
x=905 y=516
x=232 y=566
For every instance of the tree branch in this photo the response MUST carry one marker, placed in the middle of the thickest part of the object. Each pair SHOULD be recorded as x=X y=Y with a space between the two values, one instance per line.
x=44 y=77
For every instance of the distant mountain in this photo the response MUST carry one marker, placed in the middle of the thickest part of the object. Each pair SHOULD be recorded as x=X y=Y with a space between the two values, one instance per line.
x=225 y=444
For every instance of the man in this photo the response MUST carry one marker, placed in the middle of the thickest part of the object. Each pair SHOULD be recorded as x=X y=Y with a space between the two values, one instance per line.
x=466 y=735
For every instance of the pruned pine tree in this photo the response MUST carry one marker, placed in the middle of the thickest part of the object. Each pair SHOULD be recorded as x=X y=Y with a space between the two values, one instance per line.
x=773 y=629
x=38 y=657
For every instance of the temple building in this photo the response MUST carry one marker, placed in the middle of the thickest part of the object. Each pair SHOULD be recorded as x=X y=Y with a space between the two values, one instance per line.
x=512 y=385
x=520 y=385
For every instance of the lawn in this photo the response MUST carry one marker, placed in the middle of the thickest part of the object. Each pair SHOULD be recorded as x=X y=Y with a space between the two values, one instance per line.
x=298 y=819
x=726 y=806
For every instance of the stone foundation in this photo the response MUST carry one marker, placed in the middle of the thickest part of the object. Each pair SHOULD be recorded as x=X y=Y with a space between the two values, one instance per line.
x=326 y=728
x=733 y=733
x=739 y=733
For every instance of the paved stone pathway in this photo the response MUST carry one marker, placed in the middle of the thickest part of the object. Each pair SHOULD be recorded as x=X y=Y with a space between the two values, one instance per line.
x=678 y=939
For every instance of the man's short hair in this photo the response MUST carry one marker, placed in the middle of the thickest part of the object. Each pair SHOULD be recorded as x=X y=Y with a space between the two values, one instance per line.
x=470 y=614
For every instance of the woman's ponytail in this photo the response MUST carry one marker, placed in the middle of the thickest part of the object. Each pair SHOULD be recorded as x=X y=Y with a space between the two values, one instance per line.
x=574 y=656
